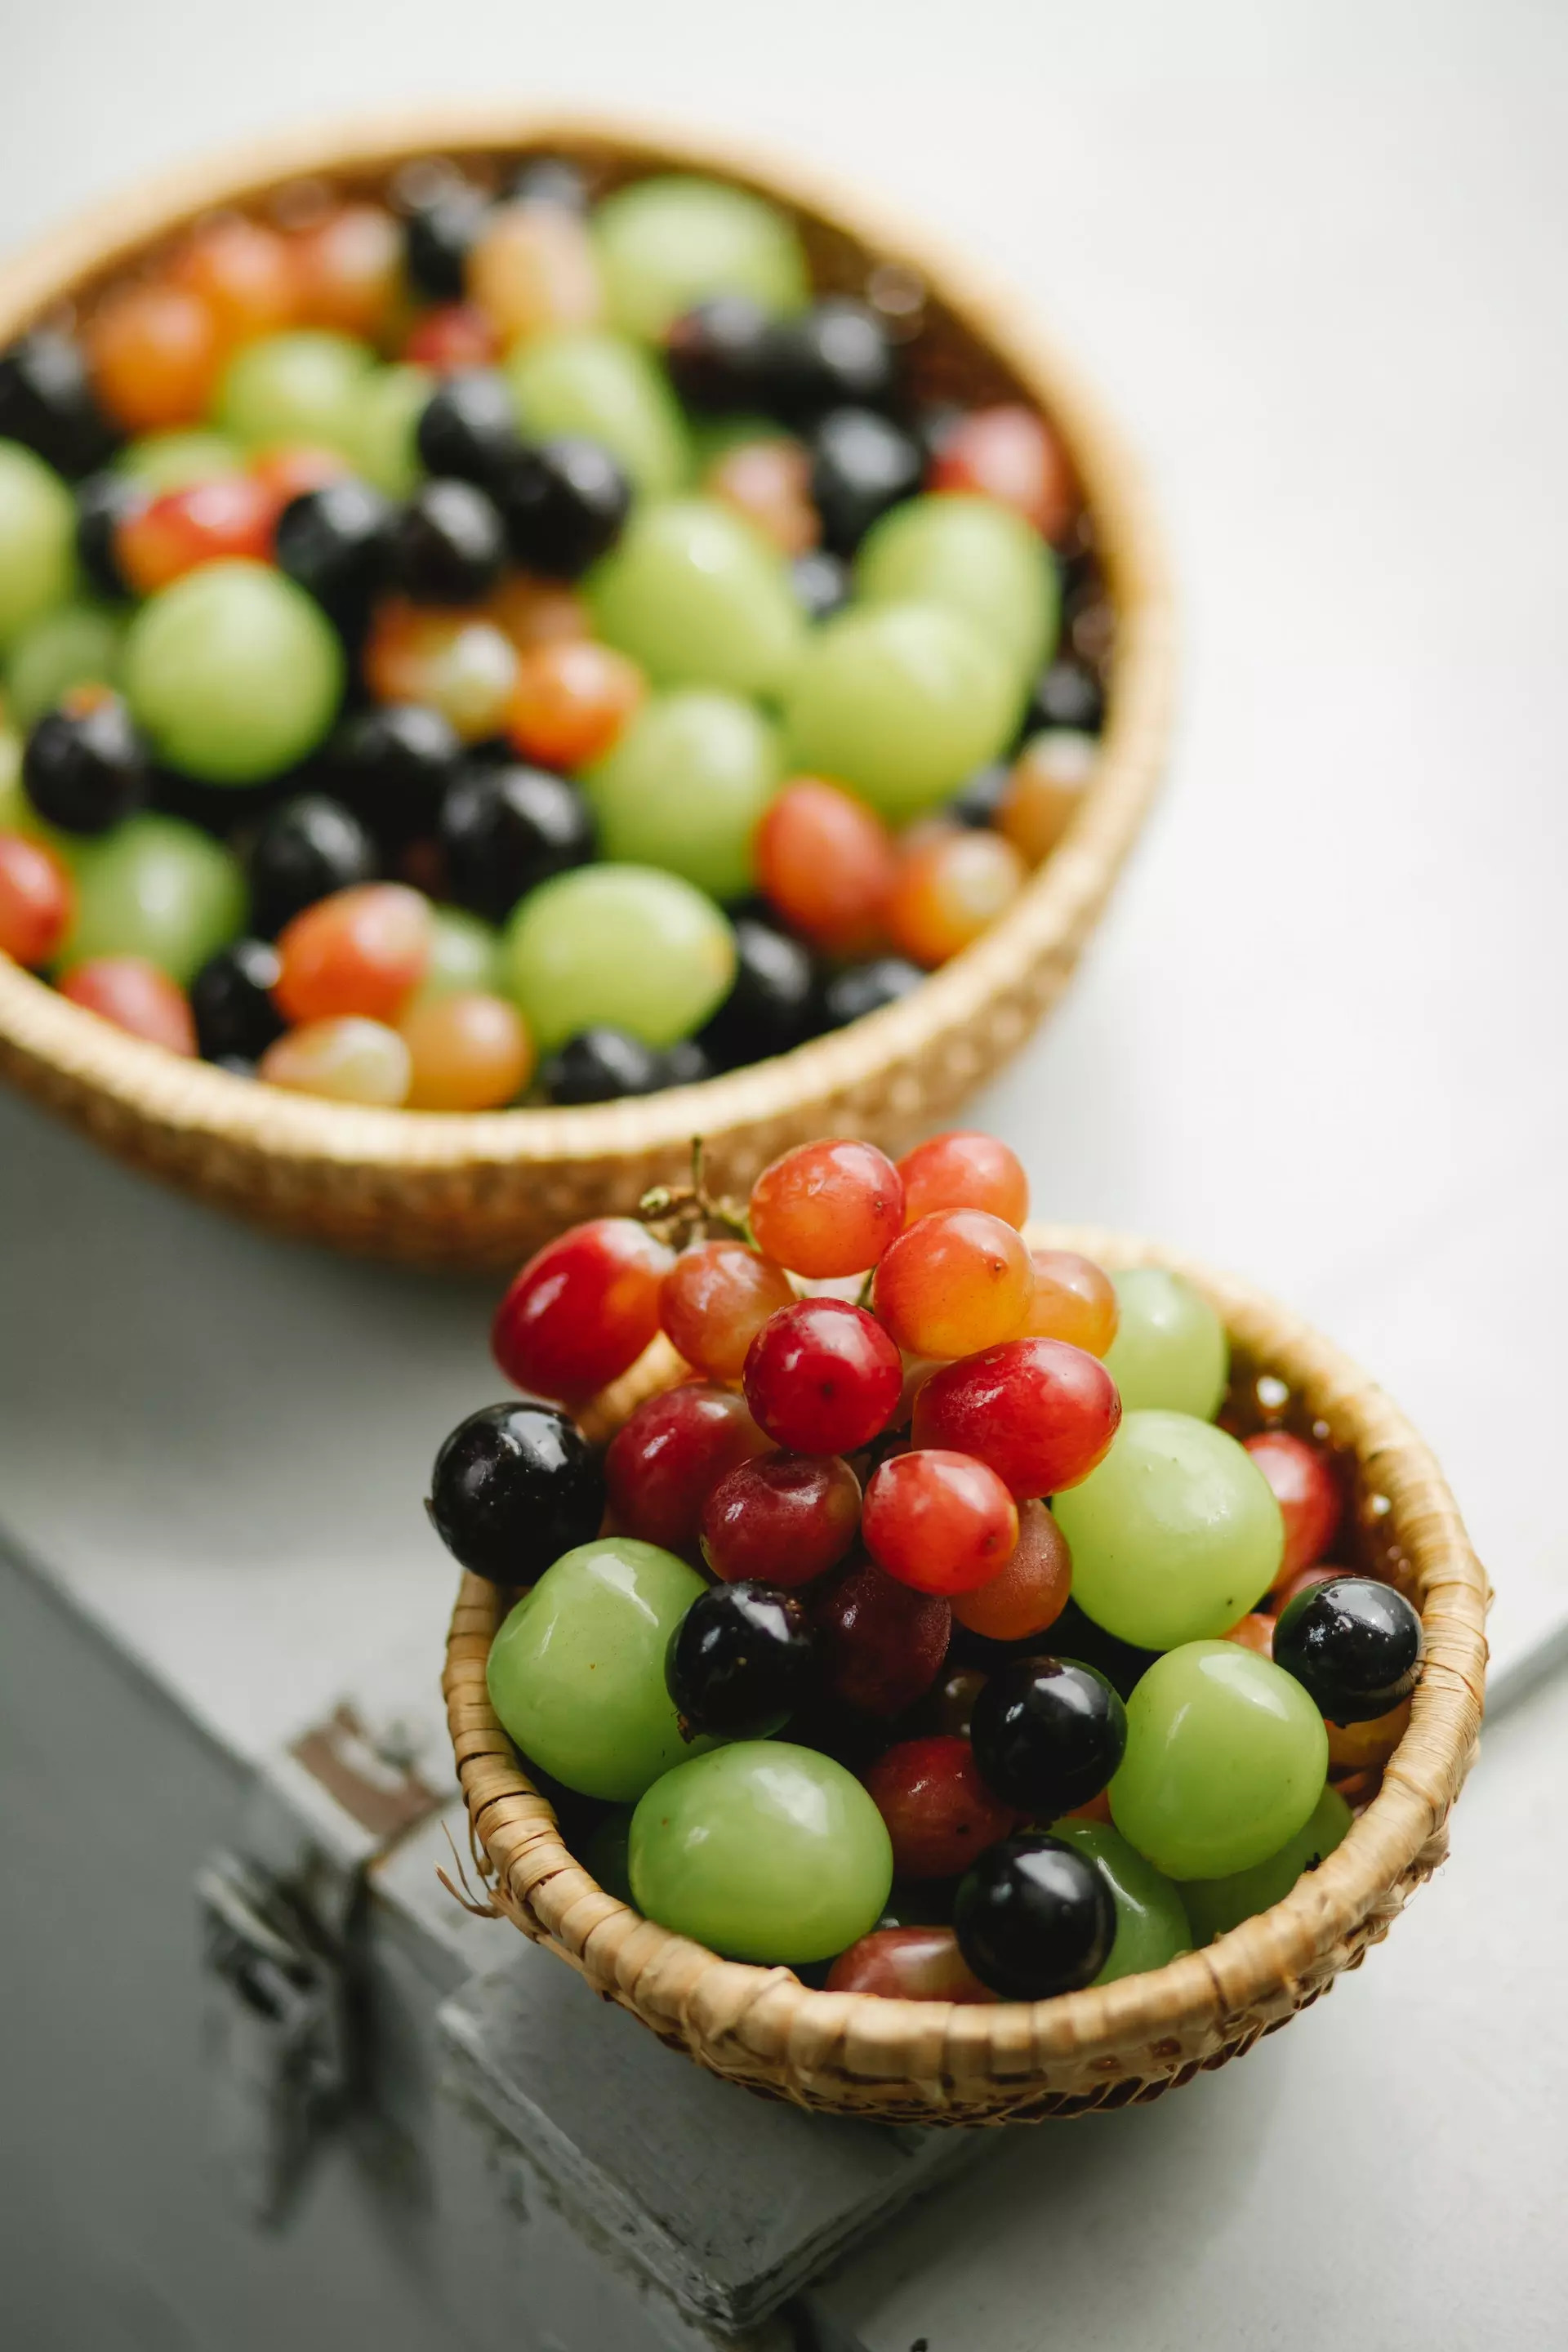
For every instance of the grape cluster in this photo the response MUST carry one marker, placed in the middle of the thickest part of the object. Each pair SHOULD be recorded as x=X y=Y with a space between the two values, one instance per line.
x=1064 y=1683
x=515 y=642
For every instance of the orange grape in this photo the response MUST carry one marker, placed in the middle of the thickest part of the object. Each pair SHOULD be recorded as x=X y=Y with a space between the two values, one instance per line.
x=826 y=861
x=468 y=1051
x=1045 y=791
x=963 y=1169
x=572 y=701
x=155 y=353
x=361 y=952
x=715 y=1300
x=958 y=1281
x=949 y=886
x=1074 y=1300
x=1030 y=1590
x=828 y=1209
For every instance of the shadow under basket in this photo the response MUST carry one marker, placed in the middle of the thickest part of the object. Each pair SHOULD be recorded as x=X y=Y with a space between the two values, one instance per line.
x=456 y=1189
x=937 y=2062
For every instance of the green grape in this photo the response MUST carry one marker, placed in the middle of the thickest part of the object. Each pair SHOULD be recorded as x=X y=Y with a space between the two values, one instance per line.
x=763 y=1851
x=37 y=540
x=1226 y=1758
x=622 y=946
x=607 y=389
x=75 y=644
x=901 y=703
x=1171 y=1347
x=174 y=461
x=604 y=1856
x=14 y=805
x=1151 y=1924
x=388 y=403
x=303 y=388
x=577 y=1672
x=1216 y=1905
x=233 y=673
x=465 y=954
x=1174 y=1534
x=156 y=887
x=668 y=243
x=684 y=787
x=696 y=596
x=976 y=556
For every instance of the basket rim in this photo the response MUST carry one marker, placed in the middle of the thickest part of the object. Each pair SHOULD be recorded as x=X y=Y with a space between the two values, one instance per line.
x=871 y=2039
x=1054 y=911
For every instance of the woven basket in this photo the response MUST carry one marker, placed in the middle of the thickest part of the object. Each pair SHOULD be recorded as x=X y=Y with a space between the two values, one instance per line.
x=935 y=2063
x=451 y=1188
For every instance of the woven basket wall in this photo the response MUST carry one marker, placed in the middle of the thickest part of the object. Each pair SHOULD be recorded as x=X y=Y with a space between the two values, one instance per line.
x=937 y=2062
x=451 y=1188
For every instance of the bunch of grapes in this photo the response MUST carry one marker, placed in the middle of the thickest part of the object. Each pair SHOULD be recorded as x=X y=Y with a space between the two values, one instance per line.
x=854 y=1523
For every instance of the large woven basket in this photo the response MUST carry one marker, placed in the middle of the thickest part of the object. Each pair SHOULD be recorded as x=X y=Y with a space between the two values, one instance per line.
x=451 y=1188
x=936 y=2062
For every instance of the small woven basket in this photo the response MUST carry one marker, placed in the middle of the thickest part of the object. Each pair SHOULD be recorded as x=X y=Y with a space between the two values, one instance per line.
x=936 y=2062
x=457 y=1188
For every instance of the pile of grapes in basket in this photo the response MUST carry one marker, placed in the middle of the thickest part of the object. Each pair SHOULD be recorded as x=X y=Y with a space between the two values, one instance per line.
x=495 y=644
x=930 y=1622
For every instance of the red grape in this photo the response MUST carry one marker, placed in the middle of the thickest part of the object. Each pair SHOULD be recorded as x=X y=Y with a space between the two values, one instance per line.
x=783 y=1520
x=35 y=895
x=1306 y=1491
x=716 y=1299
x=1010 y=452
x=828 y=1209
x=668 y=1457
x=823 y=1377
x=964 y=1171
x=942 y=1522
x=949 y=886
x=137 y=996
x=581 y=1310
x=1074 y=1300
x=958 y=1281
x=908 y=1964
x=361 y=951
x=171 y=535
x=1029 y=1592
x=825 y=862
x=1253 y=1632
x=1041 y=1413
x=884 y=1642
x=940 y=1813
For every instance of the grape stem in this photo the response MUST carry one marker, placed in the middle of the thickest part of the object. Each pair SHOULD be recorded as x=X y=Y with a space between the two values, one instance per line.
x=679 y=1213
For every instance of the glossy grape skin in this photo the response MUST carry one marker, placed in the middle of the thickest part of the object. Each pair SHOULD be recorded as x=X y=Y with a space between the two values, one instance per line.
x=1214 y=1905
x=602 y=1064
x=442 y=214
x=1009 y=454
x=861 y=464
x=572 y=703
x=767 y=483
x=1225 y=1759
x=345 y=1059
x=507 y=829
x=532 y=267
x=303 y=386
x=349 y=265
x=158 y=888
x=75 y=646
x=582 y=1310
x=103 y=503
x=468 y=1050
x=884 y=1641
x=976 y=557
x=1046 y=788
x=37 y=540
x=867 y=988
x=784 y=1518
x=826 y=863
x=828 y=1209
x=246 y=274
x=1047 y=1733
x=1042 y=1415
x=940 y=1813
x=835 y=354
x=1151 y=1925
x=823 y=1377
x=623 y=946
x=674 y=240
x=46 y=403
x=467 y=429
x=85 y=768
x=154 y=349
x=392 y=767
x=772 y=1003
x=668 y=1456
x=908 y=1964
x=602 y=387
x=763 y=1851
x=1303 y=1481
x=362 y=951
x=952 y=884
x=34 y=900
x=1174 y=1535
x=942 y=1522
x=231 y=1002
x=565 y=503
x=383 y=427
x=1368 y=1745
x=1254 y=1632
x=1074 y=1300
x=964 y=1170
x=337 y=542
x=899 y=702
x=1067 y=694
x=233 y=673
x=954 y=1283
x=697 y=597
x=1033 y=1918
x=684 y=787
x=136 y=996
x=741 y=1660
x=1030 y=1589
x=1171 y=1350
x=464 y=954
x=576 y=1671
x=1355 y=1646
x=514 y=1486
x=306 y=849
x=715 y=1300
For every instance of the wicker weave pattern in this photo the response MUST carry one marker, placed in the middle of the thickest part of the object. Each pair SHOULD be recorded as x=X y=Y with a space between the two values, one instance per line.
x=936 y=2062
x=449 y=1189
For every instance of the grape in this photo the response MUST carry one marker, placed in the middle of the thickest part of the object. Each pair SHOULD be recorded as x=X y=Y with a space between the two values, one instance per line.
x=582 y=1309
x=34 y=900
x=532 y=267
x=1254 y=1632
x=1033 y=1918
x=786 y=1518
x=137 y=997
x=231 y=998
x=1010 y=454
x=172 y=461
x=823 y=1377
x=900 y=703
x=828 y=1209
x=715 y=1300
x=605 y=1854
x=955 y=1282
x=346 y=1058
x=603 y=387
x=464 y=954
x=465 y=668
x=1353 y=1644
x=908 y=1964
x=683 y=788
x=233 y=672
x=767 y=483
x=1030 y=1589
x=155 y=350
x=976 y=557
x=1302 y=1481
x=1074 y=1300
x=306 y=849
x=940 y=1813
x=962 y=1170
x=305 y=386
x=622 y=947
x=75 y=644
x=514 y=1486
x=361 y=951
x=1226 y=1758
x=1169 y=1348
x=573 y=702
x=697 y=598
x=674 y=240
x=504 y=829
x=885 y=1642
x=175 y=532
x=382 y=426
x=1048 y=1733
x=825 y=862
x=952 y=884
x=468 y=1051
x=349 y=266
x=666 y=1460
x=1216 y=1905
x=85 y=768
x=763 y=1851
x=158 y=888
x=1041 y=1415
x=741 y=1660
x=1045 y=791
x=1174 y=1535
x=772 y=1005
x=942 y=1522
x=1150 y=1922
x=37 y=540
x=245 y=273
x=576 y=1671
x=1366 y=1746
